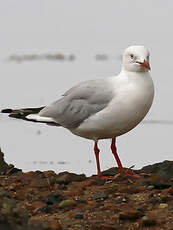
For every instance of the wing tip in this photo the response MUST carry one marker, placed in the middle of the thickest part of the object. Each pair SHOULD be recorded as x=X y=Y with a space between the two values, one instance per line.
x=6 y=111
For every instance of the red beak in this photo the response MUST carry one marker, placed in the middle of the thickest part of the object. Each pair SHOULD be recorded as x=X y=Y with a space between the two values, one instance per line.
x=145 y=64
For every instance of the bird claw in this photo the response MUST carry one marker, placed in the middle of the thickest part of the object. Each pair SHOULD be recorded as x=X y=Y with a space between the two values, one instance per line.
x=131 y=174
x=106 y=177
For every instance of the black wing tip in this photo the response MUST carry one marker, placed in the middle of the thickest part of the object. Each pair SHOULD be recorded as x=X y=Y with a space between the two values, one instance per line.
x=6 y=111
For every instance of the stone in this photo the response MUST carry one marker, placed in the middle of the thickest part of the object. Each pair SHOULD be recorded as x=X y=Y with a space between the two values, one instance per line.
x=42 y=183
x=97 y=226
x=91 y=203
x=110 y=172
x=37 y=205
x=156 y=183
x=11 y=211
x=66 y=178
x=101 y=195
x=63 y=178
x=79 y=216
x=3 y=193
x=130 y=215
x=67 y=203
x=163 y=169
x=168 y=191
x=54 y=198
x=148 y=221
x=49 y=223
x=3 y=164
x=163 y=205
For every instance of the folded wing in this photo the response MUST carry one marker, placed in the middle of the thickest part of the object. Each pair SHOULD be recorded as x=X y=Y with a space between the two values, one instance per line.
x=79 y=103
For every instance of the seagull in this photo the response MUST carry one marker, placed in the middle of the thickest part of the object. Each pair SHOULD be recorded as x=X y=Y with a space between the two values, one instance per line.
x=102 y=108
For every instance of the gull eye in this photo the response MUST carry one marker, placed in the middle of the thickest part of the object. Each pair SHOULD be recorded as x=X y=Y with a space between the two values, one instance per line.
x=131 y=56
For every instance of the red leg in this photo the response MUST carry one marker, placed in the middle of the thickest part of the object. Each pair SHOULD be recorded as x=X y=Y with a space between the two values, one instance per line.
x=97 y=150
x=122 y=171
x=114 y=151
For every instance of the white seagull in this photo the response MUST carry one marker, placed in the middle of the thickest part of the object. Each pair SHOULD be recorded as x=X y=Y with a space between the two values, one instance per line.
x=104 y=108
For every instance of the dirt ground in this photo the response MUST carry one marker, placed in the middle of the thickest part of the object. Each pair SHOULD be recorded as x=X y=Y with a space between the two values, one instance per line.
x=49 y=201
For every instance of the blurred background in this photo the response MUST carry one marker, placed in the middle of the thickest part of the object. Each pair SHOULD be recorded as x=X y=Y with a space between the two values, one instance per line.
x=46 y=47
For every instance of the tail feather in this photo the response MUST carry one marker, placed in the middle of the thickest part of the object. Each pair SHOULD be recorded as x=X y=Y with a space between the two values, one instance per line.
x=21 y=113
x=24 y=114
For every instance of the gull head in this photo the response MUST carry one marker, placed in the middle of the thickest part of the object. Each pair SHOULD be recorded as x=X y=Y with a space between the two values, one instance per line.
x=136 y=59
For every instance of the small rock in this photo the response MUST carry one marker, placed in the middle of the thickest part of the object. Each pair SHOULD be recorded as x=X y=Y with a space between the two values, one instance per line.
x=63 y=178
x=91 y=203
x=101 y=195
x=156 y=185
x=168 y=191
x=148 y=221
x=119 y=200
x=163 y=205
x=150 y=187
x=3 y=164
x=12 y=212
x=8 y=205
x=100 y=182
x=67 y=203
x=42 y=183
x=163 y=169
x=140 y=210
x=155 y=200
x=45 y=209
x=67 y=223
x=79 y=216
x=37 y=205
x=97 y=226
x=54 y=198
x=3 y=193
x=110 y=172
x=45 y=224
x=66 y=178
x=78 y=178
x=130 y=215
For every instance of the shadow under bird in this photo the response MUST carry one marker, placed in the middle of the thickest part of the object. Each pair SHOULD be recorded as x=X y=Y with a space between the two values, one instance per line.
x=103 y=108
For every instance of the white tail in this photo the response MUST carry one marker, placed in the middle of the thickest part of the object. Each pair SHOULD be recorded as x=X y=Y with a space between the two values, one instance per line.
x=36 y=117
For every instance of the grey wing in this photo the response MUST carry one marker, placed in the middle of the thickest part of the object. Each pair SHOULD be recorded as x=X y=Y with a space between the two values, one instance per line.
x=79 y=103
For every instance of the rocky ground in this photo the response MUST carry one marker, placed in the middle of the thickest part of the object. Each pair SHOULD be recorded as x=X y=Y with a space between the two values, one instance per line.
x=66 y=201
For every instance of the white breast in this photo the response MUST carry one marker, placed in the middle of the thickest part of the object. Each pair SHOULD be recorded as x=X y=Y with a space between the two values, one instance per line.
x=133 y=96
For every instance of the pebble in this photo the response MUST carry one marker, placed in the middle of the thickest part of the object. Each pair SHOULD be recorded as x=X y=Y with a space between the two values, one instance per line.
x=67 y=203
x=64 y=179
x=119 y=200
x=79 y=216
x=163 y=169
x=42 y=183
x=129 y=215
x=44 y=224
x=55 y=198
x=37 y=205
x=105 y=227
x=156 y=185
x=163 y=205
x=110 y=172
x=91 y=203
x=10 y=209
x=148 y=221
x=168 y=191
x=3 y=193
x=150 y=187
x=101 y=195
